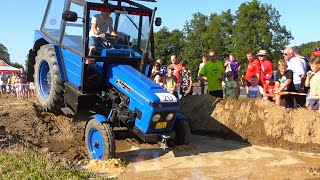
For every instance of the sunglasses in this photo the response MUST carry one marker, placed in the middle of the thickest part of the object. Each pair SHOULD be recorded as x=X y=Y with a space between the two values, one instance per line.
x=261 y=55
x=212 y=56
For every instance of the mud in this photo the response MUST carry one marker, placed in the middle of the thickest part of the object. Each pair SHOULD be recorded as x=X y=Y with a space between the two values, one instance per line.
x=255 y=121
x=245 y=122
x=23 y=122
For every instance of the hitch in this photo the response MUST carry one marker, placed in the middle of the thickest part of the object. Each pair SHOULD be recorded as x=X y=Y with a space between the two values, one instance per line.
x=163 y=143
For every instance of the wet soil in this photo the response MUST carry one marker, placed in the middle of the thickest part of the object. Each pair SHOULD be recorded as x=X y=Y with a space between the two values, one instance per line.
x=22 y=122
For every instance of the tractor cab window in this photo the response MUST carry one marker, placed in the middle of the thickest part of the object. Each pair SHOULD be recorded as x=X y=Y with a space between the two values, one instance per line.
x=73 y=35
x=53 y=20
x=125 y=37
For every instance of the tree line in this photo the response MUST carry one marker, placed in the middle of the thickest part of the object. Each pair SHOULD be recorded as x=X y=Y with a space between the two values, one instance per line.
x=254 y=26
x=5 y=56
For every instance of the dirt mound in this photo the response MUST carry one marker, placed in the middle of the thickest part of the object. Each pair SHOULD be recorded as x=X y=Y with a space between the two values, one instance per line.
x=24 y=122
x=255 y=121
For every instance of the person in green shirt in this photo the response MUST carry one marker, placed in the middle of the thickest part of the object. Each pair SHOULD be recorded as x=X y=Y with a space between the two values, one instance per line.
x=213 y=72
x=230 y=88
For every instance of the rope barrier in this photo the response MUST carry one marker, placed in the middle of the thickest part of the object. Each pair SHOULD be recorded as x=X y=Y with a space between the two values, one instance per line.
x=296 y=93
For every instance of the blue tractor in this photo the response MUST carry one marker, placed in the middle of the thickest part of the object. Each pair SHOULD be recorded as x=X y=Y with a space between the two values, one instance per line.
x=112 y=82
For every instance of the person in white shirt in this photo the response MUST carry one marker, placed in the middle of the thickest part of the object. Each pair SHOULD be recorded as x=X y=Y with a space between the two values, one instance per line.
x=298 y=67
x=100 y=25
x=255 y=90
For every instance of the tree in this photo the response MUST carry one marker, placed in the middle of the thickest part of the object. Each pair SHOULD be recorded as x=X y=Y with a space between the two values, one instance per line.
x=219 y=33
x=196 y=44
x=16 y=65
x=4 y=55
x=257 y=27
x=307 y=48
x=167 y=42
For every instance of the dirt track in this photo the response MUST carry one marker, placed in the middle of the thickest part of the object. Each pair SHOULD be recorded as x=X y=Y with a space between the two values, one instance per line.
x=207 y=157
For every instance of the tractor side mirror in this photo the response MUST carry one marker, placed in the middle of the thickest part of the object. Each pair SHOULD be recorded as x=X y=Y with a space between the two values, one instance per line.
x=70 y=16
x=158 y=21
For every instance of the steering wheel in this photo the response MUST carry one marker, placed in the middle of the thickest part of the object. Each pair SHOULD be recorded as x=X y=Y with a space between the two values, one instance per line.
x=108 y=41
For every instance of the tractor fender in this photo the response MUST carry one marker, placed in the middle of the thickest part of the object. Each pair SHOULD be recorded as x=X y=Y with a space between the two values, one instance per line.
x=180 y=117
x=40 y=40
x=98 y=117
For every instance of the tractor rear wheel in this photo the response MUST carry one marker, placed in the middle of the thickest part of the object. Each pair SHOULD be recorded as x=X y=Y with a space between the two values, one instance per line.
x=48 y=85
x=183 y=132
x=99 y=140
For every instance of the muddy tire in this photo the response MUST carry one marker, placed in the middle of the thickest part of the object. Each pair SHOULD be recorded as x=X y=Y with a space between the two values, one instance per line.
x=183 y=132
x=48 y=86
x=99 y=140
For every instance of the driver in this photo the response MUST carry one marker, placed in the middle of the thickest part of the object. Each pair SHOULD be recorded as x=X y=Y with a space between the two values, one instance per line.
x=101 y=23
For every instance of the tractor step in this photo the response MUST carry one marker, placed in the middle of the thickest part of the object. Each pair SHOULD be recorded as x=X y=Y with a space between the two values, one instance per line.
x=67 y=111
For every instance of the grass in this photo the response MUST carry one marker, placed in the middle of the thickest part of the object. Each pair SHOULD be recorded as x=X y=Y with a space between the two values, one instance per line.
x=28 y=164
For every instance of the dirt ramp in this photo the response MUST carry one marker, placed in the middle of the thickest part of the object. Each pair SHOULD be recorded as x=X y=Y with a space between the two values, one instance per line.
x=258 y=122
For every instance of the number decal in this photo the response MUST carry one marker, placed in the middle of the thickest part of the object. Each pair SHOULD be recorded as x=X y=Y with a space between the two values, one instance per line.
x=166 y=97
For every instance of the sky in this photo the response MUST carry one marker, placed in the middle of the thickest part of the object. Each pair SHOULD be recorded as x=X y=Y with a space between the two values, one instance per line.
x=21 y=18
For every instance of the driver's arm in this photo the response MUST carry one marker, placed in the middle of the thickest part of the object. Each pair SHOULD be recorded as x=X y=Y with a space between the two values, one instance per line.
x=110 y=27
x=95 y=29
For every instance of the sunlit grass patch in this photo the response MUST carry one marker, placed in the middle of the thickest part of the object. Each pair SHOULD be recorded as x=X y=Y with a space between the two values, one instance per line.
x=28 y=164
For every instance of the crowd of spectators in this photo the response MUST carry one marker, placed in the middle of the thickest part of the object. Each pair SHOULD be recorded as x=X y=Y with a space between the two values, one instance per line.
x=295 y=83
x=16 y=84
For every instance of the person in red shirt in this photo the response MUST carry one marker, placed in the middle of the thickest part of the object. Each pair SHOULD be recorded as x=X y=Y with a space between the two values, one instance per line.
x=266 y=66
x=177 y=72
x=268 y=89
x=253 y=68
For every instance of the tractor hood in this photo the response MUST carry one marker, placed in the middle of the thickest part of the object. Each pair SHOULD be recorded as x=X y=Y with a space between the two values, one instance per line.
x=134 y=84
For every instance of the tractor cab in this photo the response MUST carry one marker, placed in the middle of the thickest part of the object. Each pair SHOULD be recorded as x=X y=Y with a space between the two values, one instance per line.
x=131 y=25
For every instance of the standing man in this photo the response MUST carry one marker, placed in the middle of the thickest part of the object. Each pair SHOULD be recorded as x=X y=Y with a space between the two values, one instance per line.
x=213 y=72
x=253 y=69
x=266 y=67
x=296 y=64
x=177 y=72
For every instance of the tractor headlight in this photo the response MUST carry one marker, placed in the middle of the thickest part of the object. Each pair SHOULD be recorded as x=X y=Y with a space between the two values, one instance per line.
x=169 y=116
x=156 y=118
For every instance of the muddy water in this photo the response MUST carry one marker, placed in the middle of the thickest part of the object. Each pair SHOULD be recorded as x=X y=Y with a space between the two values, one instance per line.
x=210 y=158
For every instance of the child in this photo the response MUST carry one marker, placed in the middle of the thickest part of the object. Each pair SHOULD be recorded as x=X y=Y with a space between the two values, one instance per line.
x=284 y=83
x=227 y=66
x=32 y=89
x=268 y=89
x=230 y=88
x=170 y=81
x=18 y=88
x=234 y=66
x=313 y=81
x=186 y=79
x=255 y=90
x=158 y=79
x=201 y=81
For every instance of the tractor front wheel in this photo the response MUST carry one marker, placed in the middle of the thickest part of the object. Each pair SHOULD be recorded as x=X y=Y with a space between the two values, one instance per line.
x=183 y=132
x=99 y=140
